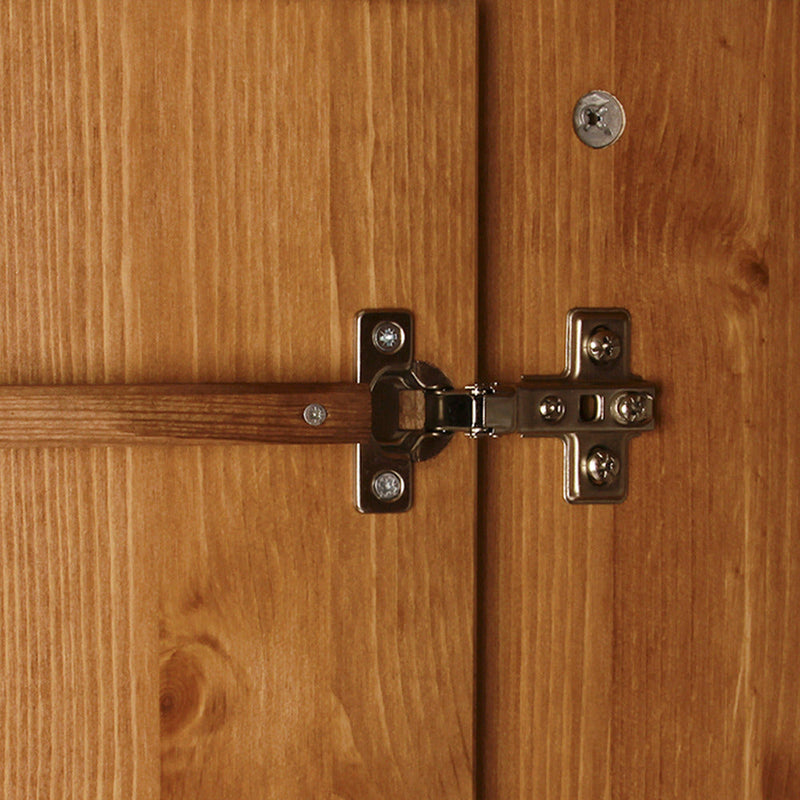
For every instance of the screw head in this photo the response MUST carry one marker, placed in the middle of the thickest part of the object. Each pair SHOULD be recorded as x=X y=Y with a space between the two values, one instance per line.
x=603 y=346
x=388 y=486
x=598 y=119
x=602 y=466
x=552 y=408
x=632 y=408
x=315 y=414
x=388 y=337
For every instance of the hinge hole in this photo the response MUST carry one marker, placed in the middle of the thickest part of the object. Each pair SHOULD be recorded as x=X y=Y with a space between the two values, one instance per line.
x=412 y=410
x=591 y=408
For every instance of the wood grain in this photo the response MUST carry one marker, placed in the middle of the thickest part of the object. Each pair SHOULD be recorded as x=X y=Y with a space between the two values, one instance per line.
x=182 y=414
x=208 y=192
x=79 y=648
x=648 y=650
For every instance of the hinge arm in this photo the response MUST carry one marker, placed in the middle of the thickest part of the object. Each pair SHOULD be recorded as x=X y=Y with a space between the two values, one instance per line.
x=545 y=407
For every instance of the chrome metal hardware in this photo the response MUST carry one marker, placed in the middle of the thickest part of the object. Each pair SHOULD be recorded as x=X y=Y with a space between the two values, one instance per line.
x=596 y=406
x=598 y=119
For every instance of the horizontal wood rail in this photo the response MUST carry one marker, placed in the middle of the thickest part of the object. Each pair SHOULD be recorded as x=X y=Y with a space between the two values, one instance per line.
x=181 y=414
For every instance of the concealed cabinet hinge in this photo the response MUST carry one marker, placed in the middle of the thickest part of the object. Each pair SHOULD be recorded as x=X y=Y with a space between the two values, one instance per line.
x=397 y=412
x=596 y=406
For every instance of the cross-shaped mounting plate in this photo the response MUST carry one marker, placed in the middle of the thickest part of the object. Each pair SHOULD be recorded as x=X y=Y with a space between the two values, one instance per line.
x=604 y=405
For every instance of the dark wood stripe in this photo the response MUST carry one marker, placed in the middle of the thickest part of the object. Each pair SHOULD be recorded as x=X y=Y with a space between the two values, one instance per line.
x=181 y=414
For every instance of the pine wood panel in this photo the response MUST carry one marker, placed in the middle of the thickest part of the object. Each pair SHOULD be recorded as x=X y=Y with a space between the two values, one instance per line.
x=182 y=414
x=208 y=192
x=79 y=649
x=648 y=650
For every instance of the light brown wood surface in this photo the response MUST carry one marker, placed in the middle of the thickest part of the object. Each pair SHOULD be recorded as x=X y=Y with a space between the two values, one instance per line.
x=208 y=192
x=649 y=650
x=182 y=414
x=198 y=192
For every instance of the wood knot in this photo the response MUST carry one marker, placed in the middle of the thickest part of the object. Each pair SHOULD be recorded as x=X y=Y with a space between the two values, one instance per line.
x=750 y=282
x=193 y=692
x=754 y=273
x=181 y=693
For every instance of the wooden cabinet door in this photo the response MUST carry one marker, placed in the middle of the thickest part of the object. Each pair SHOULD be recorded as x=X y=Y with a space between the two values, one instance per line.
x=647 y=650
x=209 y=192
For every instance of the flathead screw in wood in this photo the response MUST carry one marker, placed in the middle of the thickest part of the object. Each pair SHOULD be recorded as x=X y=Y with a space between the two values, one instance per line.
x=315 y=414
x=598 y=119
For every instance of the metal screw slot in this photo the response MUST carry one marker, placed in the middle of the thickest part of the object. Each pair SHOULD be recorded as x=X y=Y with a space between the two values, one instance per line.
x=315 y=414
x=388 y=337
x=598 y=119
x=632 y=408
x=387 y=486
x=603 y=346
x=602 y=466
x=552 y=408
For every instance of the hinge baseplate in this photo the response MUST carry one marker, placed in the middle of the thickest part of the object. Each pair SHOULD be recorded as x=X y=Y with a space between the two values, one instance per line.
x=596 y=406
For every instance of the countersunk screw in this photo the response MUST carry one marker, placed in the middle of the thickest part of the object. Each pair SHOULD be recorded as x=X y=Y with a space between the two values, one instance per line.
x=603 y=346
x=388 y=337
x=552 y=408
x=602 y=466
x=598 y=119
x=387 y=486
x=632 y=408
x=315 y=414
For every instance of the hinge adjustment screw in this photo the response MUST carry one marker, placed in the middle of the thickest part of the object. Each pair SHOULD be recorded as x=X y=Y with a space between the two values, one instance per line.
x=632 y=408
x=603 y=346
x=552 y=408
x=602 y=466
